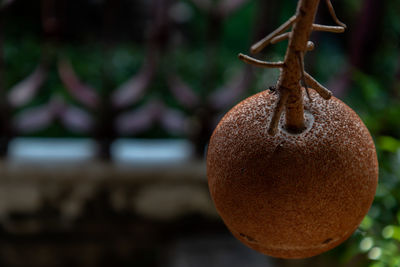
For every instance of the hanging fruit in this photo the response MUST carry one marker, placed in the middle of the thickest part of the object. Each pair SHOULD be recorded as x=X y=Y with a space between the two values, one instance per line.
x=293 y=170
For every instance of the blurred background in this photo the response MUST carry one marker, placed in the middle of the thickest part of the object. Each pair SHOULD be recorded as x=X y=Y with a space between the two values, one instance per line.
x=107 y=106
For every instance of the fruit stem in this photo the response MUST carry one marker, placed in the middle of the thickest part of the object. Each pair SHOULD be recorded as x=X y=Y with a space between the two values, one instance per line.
x=292 y=73
x=292 y=69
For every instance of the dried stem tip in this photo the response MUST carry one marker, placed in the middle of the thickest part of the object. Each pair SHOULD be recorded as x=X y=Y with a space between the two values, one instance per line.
x=292 y=68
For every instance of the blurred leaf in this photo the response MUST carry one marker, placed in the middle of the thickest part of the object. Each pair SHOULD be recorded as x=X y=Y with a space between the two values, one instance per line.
x=369 y=85
x=396 y=233
x=174 y=121
x=83 y=93
x=76 y=119
x=389 y=201
x=367 y=223
x=366 y=244
x=34 y=119
x=378 y=264
x=182 y=92
x=388 y=143
x=24 y=91
x=398 y=217
x=132 y=90
x=139 y=120
x=391 y=231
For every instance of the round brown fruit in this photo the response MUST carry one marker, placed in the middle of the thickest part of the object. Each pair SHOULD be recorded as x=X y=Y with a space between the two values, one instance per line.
x=292 y=195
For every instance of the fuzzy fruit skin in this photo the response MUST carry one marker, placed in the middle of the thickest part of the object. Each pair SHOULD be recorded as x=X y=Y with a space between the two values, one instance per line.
x=292 y=196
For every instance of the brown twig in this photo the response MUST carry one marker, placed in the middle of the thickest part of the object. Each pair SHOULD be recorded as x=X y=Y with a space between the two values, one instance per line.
x=292 y=69
x=281 y=37
x=333 y=14
x=266 y=41
x=259 y=63
x=324 y=28
x=319 y=88
x=303 y=79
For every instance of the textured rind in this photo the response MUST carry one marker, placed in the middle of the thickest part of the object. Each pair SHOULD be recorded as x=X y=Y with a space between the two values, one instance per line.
x=292 y=196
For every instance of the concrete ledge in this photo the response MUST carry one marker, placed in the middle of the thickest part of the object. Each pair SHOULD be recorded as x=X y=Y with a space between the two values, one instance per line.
x=155 y=191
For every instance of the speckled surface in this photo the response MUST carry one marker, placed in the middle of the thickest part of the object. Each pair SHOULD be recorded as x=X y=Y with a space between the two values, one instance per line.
x=292 y=196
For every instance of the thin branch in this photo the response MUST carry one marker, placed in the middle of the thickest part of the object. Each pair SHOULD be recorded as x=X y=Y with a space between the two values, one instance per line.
x=259 y=63
x=281 y=37
x=273 y=126
x=333 y=14
x=319 y=88
x=324 y=28
x=266 y=41
x=303 y=79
